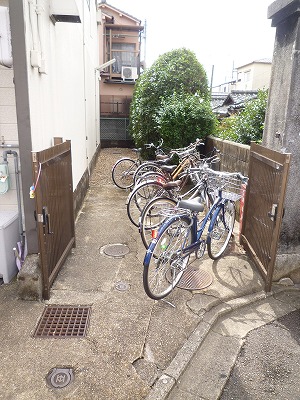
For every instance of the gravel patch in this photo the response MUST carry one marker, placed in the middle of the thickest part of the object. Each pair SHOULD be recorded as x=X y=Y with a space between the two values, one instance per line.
x=101 y=175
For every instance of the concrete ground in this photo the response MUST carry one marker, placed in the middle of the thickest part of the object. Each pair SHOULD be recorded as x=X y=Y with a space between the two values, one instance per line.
x=135 y=348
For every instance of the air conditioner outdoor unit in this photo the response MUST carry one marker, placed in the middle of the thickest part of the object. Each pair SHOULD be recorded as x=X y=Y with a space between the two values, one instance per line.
x=129 y=73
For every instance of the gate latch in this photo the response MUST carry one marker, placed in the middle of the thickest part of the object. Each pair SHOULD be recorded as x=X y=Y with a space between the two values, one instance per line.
x=46 y=220
x=273 y=213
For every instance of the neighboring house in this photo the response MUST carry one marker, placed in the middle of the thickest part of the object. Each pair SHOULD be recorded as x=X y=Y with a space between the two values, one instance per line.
x=252 y=76
x=226 y=104
x=51 y=91
x=120 y=39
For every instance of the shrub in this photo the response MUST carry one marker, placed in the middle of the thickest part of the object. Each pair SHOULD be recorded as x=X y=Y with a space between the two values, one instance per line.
x=164 y=90
x=249 y=124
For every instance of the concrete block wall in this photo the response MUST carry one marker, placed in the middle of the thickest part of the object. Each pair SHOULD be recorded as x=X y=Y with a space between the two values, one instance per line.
x=234 y=157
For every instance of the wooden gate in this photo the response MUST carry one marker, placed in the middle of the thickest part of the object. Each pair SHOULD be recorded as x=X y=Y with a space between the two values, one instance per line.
x=53 y=191
x=263 y=210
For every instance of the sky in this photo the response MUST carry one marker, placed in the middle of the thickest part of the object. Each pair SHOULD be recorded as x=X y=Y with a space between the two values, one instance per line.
x=224 y=34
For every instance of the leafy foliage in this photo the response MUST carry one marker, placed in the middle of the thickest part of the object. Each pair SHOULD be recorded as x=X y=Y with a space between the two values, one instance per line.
x=164 y=91
x=183 y=117
x=247 y=126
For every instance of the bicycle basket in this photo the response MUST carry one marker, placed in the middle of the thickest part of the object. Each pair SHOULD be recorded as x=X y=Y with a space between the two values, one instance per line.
x=232 y=188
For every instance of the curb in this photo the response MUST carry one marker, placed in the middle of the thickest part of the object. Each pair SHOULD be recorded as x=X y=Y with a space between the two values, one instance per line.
x=166 y=382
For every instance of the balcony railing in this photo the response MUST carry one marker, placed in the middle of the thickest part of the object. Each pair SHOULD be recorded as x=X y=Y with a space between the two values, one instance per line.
x=115 y=106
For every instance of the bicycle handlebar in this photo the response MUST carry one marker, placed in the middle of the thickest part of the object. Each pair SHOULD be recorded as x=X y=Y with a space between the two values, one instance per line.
x=237 y=175
x=150 y=145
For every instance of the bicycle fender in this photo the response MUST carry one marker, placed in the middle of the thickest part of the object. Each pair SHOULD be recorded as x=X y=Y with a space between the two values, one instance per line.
x=215 y=214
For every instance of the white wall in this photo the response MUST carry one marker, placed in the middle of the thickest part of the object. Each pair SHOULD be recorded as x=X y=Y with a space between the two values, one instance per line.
x=8 y=130
x=8 y=135
x=62 y=101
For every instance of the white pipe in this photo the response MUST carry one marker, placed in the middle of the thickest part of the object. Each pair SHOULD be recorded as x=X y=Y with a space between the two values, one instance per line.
x=34 y=31
x=34 y=53
x=40 y=9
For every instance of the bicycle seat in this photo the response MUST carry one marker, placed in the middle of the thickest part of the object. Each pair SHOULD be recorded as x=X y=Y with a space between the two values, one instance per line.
x=162 y=157
x=172 y=184
x=193 y=204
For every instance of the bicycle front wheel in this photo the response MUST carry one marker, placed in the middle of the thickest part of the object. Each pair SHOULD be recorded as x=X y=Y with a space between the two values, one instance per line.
x=123 y=171
x=145 y=167
x=165 y=261
x=220 y=229
x=140 y=196
x=152 y=217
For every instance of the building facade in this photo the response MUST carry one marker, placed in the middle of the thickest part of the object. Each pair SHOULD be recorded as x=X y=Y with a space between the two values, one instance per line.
x=120 y=38
x=252 y=76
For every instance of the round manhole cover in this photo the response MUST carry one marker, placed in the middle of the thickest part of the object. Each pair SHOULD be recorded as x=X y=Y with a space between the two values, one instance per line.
x=116 y=250
x=193 y=279
x=60 y=377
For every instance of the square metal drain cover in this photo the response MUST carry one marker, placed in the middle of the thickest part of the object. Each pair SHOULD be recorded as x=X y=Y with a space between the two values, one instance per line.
x=63 y=321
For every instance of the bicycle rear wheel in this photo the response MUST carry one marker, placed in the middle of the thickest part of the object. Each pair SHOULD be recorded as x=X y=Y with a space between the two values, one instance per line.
x=151 y=217
x=140 y=196
x=123 y=171
x=220 y=229
x=164 y=262
x=152 y=176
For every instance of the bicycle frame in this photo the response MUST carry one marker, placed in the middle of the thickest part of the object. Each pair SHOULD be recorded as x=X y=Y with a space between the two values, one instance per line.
x=195 y=231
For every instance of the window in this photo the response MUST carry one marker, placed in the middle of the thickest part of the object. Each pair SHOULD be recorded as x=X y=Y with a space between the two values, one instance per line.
x=247 y=76
x=125 y=55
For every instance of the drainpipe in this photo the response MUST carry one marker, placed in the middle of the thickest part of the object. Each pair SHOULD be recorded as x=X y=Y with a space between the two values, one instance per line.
x=15 y=154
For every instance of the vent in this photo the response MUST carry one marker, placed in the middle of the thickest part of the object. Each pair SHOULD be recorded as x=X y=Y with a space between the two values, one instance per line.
x=129 y=73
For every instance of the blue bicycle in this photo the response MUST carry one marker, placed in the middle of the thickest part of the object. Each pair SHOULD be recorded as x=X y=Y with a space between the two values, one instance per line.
x=182 y=234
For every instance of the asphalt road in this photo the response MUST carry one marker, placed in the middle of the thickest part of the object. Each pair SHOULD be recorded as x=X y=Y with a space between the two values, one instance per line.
x=268 y=365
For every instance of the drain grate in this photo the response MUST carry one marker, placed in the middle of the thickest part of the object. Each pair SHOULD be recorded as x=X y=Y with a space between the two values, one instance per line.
x=195 y=279
x=63 y=321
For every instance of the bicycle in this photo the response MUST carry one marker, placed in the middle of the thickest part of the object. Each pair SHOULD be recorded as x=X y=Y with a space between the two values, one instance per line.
x=150 y=188
x=152 y=215
x=123 y=170
x=167 y=172
x=180 y=235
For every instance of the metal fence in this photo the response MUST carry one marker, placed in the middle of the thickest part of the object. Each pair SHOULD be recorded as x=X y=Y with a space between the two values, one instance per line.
x=114 y=129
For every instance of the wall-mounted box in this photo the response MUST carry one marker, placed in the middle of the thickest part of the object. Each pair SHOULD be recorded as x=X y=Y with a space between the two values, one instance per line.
x=64 y=11
x=9 y=236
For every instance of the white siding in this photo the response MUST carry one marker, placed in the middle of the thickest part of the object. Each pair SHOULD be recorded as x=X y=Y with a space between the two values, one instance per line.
x=63 y=102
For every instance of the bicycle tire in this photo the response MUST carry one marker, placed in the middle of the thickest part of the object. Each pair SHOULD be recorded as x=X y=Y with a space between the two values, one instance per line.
x=163 y=262
x=220 y=229
x=140 y=196
x=123 y=171
x=152 y=218
x=148 y=166
x=152 y=176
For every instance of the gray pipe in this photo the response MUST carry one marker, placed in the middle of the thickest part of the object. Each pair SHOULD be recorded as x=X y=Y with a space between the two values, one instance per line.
x=15 y=154
x=5 y=146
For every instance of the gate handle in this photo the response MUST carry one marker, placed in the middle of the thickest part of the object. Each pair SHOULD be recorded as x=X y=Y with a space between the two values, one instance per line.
x=46 y=220
x=273 y=213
